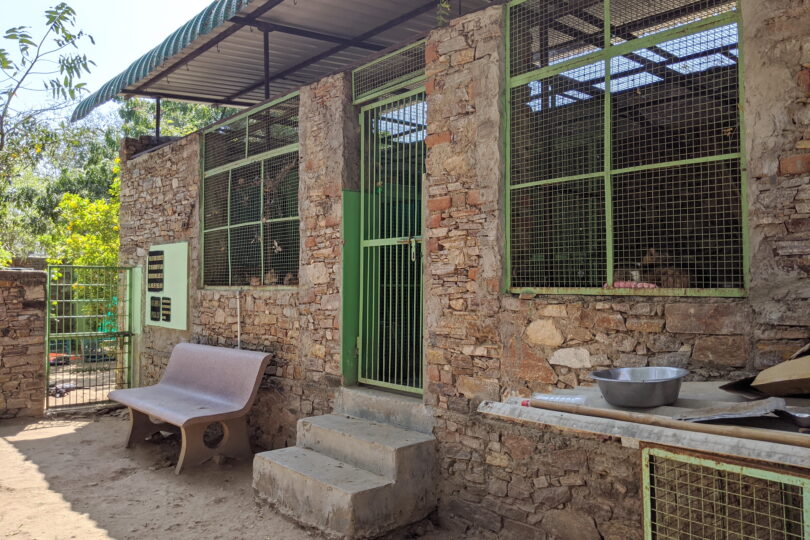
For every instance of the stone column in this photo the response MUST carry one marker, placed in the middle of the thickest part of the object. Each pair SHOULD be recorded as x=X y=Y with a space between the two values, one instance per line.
x=465 y=70
x=329 y=155
x=22 y=343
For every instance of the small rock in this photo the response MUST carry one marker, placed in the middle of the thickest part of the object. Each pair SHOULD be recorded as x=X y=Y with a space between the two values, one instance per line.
x=574 y=357
x=544 y=332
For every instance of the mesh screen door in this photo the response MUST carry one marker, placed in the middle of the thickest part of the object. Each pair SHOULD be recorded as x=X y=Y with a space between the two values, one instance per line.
x=393 y=162
x=88 y=334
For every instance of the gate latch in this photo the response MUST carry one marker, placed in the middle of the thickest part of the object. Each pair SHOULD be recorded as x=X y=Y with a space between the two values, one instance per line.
x=411 y=241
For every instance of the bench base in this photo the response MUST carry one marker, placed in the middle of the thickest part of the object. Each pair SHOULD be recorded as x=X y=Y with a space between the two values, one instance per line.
x=193 y=451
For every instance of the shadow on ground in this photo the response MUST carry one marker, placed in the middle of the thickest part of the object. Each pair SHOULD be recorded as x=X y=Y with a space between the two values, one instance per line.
x=73 y=478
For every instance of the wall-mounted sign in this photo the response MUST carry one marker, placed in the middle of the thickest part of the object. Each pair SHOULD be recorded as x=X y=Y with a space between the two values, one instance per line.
x=154 y=271
x=167 y=295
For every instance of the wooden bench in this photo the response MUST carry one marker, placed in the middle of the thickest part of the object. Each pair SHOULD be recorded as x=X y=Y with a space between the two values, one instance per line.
x=201 y=385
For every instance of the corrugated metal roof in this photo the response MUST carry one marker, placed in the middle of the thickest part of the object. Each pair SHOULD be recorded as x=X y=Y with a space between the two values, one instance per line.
x=230 y=70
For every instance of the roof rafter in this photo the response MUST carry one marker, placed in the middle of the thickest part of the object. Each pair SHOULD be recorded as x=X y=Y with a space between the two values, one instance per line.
x=302 y=32
x=362 y=37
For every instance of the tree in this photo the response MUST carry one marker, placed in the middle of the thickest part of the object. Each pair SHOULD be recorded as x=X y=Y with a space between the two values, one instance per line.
x=177 y=118
x=82 y=161
x=87 y=229
x=52 y=60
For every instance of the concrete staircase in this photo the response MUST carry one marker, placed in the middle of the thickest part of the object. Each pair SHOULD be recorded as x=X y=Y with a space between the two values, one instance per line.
x=350 y=477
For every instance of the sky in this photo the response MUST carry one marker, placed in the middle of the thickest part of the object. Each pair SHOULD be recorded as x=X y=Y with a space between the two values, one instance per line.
x=123 y=30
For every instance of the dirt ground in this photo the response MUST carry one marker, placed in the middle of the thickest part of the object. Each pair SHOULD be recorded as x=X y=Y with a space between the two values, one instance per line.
x=72 y=478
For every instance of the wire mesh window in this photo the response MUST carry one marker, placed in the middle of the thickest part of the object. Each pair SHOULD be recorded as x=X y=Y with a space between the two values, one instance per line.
x=250 y=199
x=690 y=497
x=402 y=66
x=625 y=135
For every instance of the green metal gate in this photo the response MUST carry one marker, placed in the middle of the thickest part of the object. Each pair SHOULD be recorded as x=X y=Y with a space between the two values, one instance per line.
x=87 y=334
x=393 y=163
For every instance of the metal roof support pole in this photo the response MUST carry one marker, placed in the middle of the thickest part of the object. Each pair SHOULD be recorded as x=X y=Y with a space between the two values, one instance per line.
x=266 y=64
x=157 y=119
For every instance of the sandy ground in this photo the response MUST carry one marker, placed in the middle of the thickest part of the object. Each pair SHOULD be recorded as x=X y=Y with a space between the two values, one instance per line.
x=73 y=478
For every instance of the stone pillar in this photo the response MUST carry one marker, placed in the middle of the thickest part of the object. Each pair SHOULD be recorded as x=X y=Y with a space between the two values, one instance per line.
x=22 y=343
x=465 y=70
x=329 y=155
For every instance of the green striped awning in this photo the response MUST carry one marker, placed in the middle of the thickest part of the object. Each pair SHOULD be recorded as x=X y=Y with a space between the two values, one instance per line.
x=203 y=23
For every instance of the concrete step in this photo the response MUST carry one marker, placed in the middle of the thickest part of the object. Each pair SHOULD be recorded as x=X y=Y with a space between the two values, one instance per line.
x=349 y=477
x=341 y=500
x=407 y=412
x=389 y=451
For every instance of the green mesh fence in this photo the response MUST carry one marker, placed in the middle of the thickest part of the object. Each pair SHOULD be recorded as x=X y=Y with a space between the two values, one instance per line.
x=250 y=199
x=695 y=498
x=389 y=72
x=88 y=334
x=624 y=133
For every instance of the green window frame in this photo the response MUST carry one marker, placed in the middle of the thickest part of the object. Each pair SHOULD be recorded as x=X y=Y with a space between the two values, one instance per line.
x=249 y=198
x=625 y=169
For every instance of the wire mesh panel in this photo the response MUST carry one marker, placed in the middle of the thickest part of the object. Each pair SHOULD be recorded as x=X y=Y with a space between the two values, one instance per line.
x=643 y=96
x=273 y=127
x=558 y=233
x=393 y=163
x=390 y=71
x=88 y=334
x=691 y=498
x=250 y=206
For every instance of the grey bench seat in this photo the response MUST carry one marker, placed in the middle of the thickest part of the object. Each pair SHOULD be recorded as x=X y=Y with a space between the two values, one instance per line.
x=201 y=385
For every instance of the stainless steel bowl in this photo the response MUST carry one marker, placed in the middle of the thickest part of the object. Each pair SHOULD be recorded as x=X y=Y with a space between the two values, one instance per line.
x=640 y=386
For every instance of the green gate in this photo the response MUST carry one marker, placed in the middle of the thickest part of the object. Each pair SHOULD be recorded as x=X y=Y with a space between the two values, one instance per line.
x=393 y=162
x=87 y=334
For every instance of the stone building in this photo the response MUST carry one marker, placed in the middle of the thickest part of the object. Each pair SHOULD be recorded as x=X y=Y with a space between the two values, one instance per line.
x=478 y=211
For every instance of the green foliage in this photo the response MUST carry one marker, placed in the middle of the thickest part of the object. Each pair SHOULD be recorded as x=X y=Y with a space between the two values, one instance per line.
x=442 y=12
x=82 y=161
x=87 y=230
x=51 y=59
x=177 y=118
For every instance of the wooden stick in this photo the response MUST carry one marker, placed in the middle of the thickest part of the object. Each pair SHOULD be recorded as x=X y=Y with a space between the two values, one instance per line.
x=757 y=434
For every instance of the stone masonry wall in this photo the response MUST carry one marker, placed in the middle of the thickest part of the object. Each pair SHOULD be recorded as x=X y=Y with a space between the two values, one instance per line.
x=298 y=326
x=22 y=343
x=482 y=343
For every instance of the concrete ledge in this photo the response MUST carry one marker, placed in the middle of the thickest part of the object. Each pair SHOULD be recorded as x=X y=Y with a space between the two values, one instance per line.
x=631 y=434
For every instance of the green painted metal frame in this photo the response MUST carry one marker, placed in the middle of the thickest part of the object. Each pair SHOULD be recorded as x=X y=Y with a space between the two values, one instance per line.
x=608 y=52
x=350 y=288
x=229 y=167
x=362 y=243
x=131 y=319
x=803 y=483
x=399 y=82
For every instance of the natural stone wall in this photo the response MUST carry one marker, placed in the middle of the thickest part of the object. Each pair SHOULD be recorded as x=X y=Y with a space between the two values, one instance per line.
x=159 y=198
x=483 y=343
x=22 y=343
x=503 y=480
x=299 y=326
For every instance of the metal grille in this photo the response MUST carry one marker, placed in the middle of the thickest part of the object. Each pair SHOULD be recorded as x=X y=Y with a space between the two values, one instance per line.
x=389 y=71
x=558 y=233
x=393 y=163
x=691 y=498
x=645 y=108
x=88 y=341
x=250 y=207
